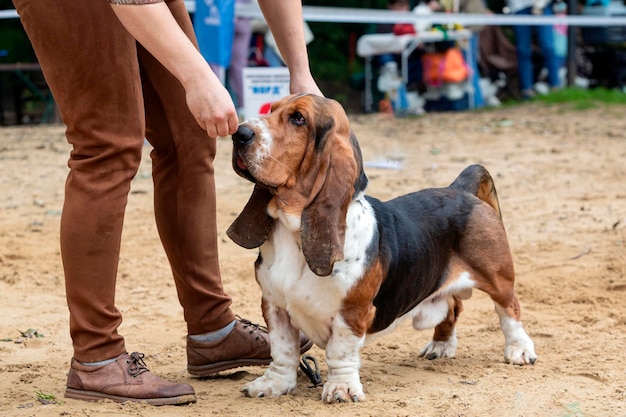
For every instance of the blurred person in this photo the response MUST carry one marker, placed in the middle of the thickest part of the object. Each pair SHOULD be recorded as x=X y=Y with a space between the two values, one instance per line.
x=524 y=42
x=395 y=28
x=472 y=7
x=415 y=73
x=242 y=34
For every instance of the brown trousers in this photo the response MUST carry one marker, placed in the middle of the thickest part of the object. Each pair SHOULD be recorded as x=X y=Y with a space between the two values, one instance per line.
x=111 y=94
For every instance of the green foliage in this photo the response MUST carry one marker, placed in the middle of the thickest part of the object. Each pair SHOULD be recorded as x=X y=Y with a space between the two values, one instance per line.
x=329 y=52
x=31 y=333
x=580 y=99
x=14 y=43
x=332 y=53
x=46 y=399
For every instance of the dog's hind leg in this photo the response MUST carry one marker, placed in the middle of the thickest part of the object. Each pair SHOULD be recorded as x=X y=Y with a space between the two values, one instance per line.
x=486 y=253
x=519 y=348
x=444 y=342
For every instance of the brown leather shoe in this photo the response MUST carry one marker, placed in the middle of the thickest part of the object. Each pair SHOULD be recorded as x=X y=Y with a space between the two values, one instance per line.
x=247 y=345
x=126 y=379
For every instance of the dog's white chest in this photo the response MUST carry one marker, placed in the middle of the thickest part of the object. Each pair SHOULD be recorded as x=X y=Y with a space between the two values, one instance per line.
x=287 y=282
x=313 y=301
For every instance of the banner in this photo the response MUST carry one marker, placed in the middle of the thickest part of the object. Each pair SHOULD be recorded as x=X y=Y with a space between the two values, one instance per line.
x=262 y=86
x=214 y=22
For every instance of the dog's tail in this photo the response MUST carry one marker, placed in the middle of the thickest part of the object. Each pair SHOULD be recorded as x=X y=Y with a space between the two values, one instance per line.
x=476 y=179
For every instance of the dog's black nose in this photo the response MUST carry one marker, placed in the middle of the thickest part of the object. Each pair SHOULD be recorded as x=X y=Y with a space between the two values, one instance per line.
x=243 y=136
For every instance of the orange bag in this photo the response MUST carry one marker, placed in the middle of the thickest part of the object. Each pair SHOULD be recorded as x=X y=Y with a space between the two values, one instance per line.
x=444 y=67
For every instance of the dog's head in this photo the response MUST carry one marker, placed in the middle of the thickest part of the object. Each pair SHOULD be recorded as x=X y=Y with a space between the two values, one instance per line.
x=304 y=158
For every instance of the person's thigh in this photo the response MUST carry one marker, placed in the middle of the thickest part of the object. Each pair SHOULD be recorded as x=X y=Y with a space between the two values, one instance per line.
x=89 y=61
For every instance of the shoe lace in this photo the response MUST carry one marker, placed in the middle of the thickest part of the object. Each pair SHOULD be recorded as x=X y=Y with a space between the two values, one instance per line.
x=254 y=327
x=137 y=365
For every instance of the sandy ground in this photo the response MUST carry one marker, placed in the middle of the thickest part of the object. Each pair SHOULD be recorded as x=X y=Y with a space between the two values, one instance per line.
x=561 y=177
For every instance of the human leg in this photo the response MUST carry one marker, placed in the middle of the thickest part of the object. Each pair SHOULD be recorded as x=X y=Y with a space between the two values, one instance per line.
x=184 y=192
x=545 y=38
x=96 y=95
x=475 y=72
x=239 y=59
x=90 y=64
x=185 y=209
x=523 y=42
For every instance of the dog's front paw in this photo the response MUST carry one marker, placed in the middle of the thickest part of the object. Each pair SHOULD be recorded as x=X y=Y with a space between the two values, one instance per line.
x=439 y=349
x=342 y=392
x=269 y=385
x=520 y=354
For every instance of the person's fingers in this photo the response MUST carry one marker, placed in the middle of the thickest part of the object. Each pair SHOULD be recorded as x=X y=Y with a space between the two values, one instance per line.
x=211 y=130
x=223 y=126
x=214 y=112
x=233 y=124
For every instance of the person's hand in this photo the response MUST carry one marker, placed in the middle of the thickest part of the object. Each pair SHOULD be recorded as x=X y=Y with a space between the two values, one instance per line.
x=304 y=83
x=211 y=105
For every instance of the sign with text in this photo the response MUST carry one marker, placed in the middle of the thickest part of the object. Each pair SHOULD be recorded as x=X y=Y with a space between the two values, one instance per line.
x=261 y=87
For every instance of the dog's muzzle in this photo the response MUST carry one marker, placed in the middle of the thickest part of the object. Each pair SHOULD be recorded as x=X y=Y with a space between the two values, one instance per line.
x=243 y=136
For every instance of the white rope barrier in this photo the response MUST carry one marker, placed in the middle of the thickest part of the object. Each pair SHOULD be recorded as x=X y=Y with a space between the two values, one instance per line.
x=350 y=15
x=355 y=15
x=8 y=14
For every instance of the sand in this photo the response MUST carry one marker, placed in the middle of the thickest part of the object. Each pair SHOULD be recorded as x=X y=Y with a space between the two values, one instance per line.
x=561 y=178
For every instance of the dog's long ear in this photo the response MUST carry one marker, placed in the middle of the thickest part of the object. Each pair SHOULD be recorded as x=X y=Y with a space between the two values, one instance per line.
x=323 y=223
x=361 y=179
x=253 y=225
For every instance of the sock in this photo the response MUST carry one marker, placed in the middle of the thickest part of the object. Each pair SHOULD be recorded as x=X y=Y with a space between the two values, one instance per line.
x=216 y=335
x=100 y=363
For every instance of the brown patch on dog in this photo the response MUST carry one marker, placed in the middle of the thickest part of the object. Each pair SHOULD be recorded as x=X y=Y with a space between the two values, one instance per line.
x=445 y=329
x=358 y=308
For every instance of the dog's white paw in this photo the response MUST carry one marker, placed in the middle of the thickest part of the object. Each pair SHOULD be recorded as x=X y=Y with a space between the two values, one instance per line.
x=520 y=354
x=519 y=347
x=342 y=392
x=269 y=385
x=439 y=349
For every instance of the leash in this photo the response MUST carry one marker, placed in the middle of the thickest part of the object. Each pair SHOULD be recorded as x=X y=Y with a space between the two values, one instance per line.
x=313 y=373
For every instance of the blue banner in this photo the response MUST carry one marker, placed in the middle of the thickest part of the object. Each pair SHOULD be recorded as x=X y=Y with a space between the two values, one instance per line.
x=214 y=22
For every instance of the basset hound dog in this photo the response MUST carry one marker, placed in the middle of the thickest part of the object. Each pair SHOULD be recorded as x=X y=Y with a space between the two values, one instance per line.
x=344 y=267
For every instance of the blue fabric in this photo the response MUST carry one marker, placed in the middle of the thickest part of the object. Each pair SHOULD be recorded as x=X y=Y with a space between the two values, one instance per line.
x=474 y=72
x=214 y=22
x=545 y=39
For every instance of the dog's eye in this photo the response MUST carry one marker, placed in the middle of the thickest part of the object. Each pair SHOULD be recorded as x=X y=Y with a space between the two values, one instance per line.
x=297 y=118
